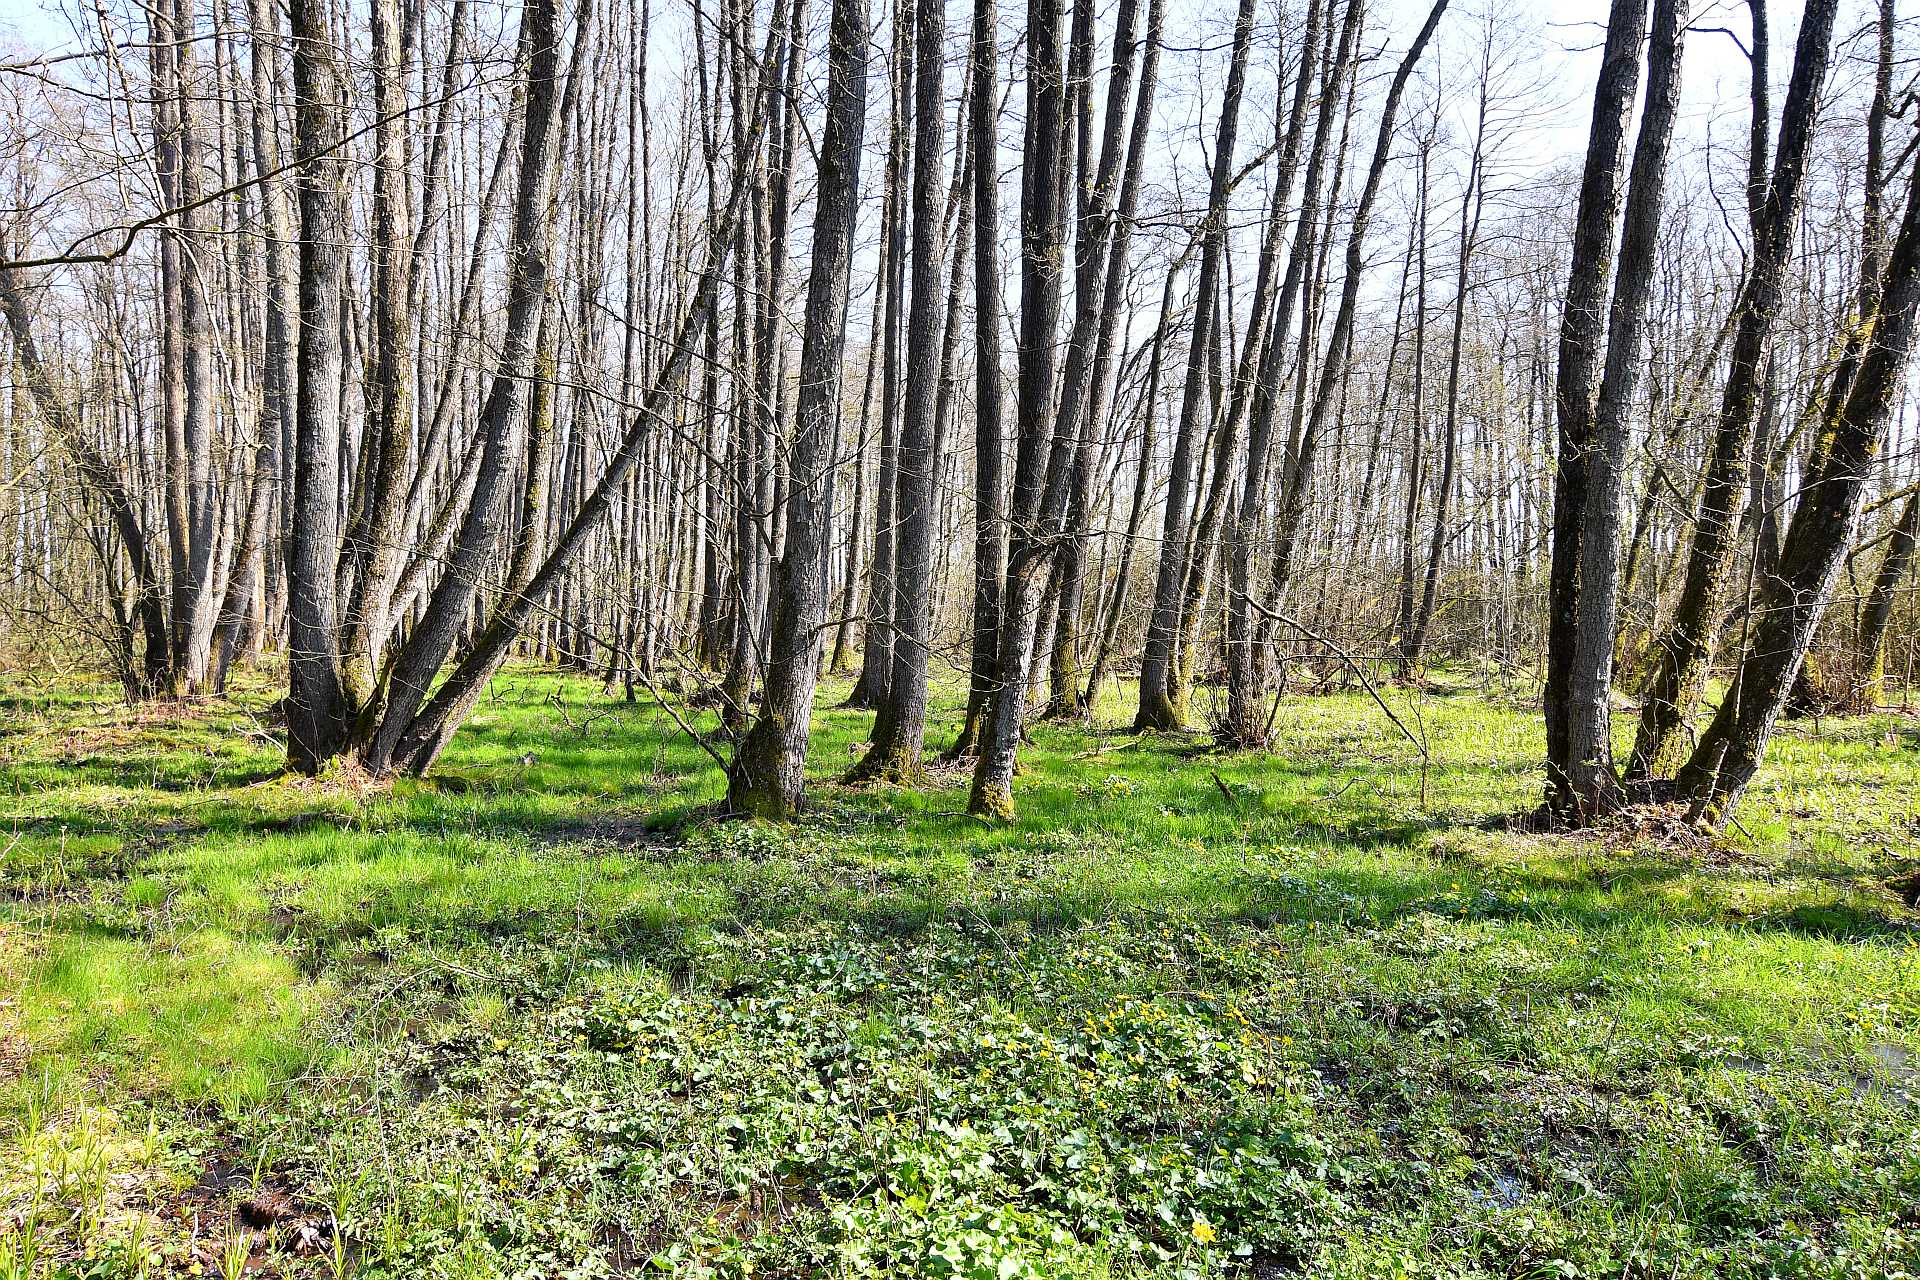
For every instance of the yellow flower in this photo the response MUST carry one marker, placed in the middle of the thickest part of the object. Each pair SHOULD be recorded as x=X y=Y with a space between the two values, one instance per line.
x=1203 y=1231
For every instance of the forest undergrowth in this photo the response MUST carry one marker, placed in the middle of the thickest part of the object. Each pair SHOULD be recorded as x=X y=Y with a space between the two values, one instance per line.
x=1319 y=1010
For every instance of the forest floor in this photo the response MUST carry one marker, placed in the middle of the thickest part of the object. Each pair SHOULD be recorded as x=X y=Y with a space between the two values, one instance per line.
x=1316 y=1010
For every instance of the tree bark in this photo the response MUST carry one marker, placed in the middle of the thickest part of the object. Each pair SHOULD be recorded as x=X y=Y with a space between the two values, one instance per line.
x=1872 y=647
x=1684 y=650
x=1101 y=251
x=1041 y=451
x=768 y=771
x=500 y=432
x=1162 y=693
x=1853 y=427
x=317 y=711
x=1581 y=332
x=900 y=728
x=876 y=642
x=990 y=437
x=1246 y=726
x=373 y=553
x=1591 y=781
x=1299 y=486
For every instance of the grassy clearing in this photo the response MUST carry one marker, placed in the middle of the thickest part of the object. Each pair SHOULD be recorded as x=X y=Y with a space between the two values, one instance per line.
x=1308 y=1011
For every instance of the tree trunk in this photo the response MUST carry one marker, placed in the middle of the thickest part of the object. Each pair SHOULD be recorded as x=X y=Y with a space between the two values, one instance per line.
x=1246 y=726
x=901 y=726
x=990 y=437
x=876 y=642
x=373 y=553
x=1591 y=783
x=1416 y=420
x=1101 y=251
x=194 y=601
x=276 y=418
x=1161 y=692
x=1581 y=331
x=769 y=770
x=1293 y=505
x=1853 y=427
x=317 y=711
x=501 y=435
x=1872 y=647
x=1684 y=650
x=1041 y=453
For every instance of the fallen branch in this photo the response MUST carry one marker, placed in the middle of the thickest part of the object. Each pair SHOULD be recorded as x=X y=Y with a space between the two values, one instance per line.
x=1275 y=615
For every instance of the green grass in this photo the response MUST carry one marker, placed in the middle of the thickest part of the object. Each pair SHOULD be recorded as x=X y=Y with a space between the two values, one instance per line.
x=1314 y=1010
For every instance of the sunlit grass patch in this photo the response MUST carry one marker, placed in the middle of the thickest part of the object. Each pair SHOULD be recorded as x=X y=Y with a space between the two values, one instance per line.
x=199 y=1014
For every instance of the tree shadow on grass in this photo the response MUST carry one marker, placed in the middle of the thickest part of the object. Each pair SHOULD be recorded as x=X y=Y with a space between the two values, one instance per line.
x=1059 y=878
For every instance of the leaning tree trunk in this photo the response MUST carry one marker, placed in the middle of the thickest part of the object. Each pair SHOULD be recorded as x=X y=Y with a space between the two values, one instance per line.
x=1256 y=346
x=417 y=741
x=1137 y=507
x=1685 y=649
x=426 y=734
x=1791 y=601
x=501 y=435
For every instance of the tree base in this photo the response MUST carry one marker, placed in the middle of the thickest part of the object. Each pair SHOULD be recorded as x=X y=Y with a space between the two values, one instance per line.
x=1244 y=739
x=754 y=787
x=887 y=764
x=1158 y=715
x=765 y=803
x=992 y=803
x=1065 y=709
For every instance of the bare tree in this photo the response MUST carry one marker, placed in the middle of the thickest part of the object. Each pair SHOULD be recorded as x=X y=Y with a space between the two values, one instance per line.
x=1586 y=771
x=901 y=725
x=1578 y=367
x=769 y=769
x=1854 y=420
x=1683 y=650
x=1162 y=691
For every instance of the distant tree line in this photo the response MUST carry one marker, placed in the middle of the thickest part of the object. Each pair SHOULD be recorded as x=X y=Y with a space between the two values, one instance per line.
x=711 y=346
